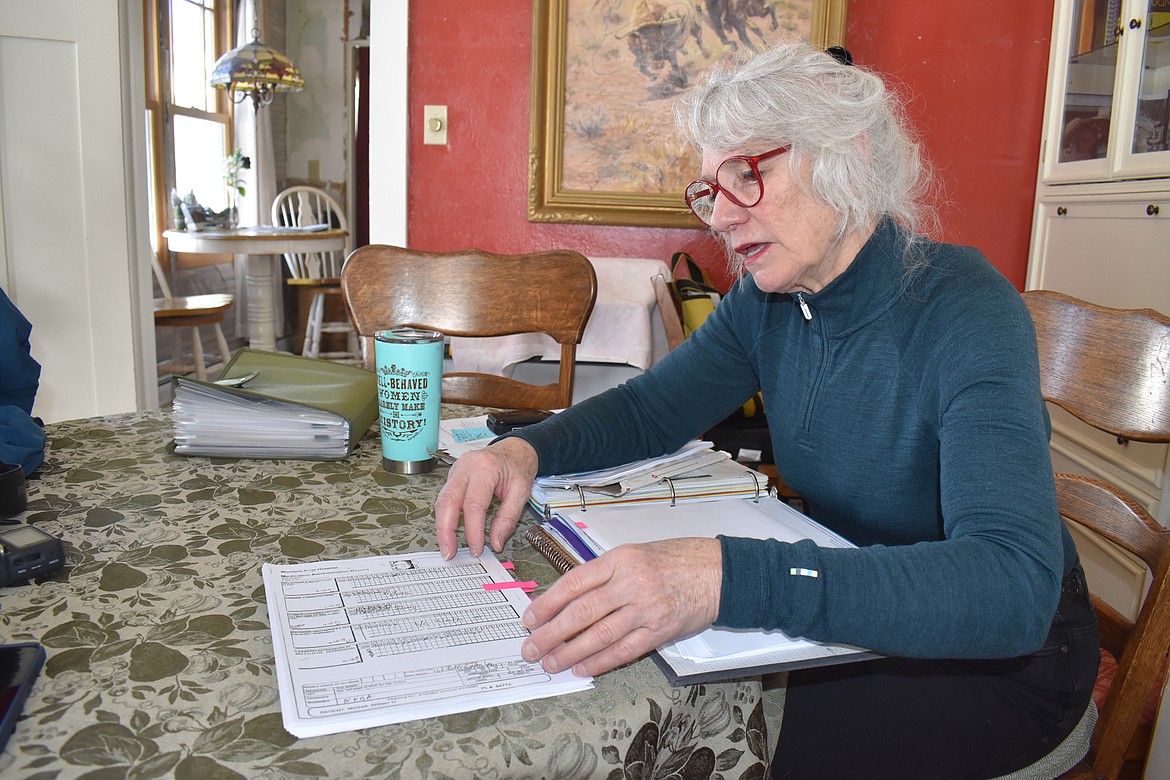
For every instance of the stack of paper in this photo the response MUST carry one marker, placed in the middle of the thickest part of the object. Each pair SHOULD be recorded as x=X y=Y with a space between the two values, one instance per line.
x=721 y=478
x=294 y=407
x=694 y=473
x=631 y=476
x=460 y=435
x=393 y=638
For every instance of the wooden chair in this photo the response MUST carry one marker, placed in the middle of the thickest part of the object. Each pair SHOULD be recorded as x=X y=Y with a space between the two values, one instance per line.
x=668 y=310
x=194 y=312
x=319 y=272
x=475 y=293
x=1110 y=368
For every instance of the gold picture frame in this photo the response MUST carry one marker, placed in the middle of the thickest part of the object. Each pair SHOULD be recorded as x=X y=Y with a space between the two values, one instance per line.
x=604 y=73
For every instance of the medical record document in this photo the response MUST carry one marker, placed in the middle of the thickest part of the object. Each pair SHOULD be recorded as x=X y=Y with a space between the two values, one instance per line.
x=387 y=639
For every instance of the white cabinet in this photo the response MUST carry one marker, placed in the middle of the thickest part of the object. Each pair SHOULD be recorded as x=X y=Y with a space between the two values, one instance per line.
x=1101 y=226
x=1108 y=91
x=1111 y=248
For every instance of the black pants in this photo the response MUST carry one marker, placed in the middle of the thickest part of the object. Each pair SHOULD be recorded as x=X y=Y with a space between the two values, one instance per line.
x=912 y=719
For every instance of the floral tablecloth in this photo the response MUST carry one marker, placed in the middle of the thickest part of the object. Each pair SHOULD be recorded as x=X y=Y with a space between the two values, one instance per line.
x=160 y=657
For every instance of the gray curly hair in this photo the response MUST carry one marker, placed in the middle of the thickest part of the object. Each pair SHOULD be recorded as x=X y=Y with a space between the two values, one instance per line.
x=865 y=162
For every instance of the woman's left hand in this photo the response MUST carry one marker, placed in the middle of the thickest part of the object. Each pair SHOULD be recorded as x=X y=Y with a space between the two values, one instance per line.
x=620 y=606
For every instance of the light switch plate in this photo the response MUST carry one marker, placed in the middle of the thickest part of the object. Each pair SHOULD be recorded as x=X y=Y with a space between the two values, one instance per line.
x=435 y=125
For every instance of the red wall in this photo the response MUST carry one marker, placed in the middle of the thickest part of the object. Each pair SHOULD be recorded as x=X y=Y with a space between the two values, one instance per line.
x=975 y=72
x=978 y=71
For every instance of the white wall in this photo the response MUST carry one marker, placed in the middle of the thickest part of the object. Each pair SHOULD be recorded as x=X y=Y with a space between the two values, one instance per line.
x=318 y=123
x=70 y=257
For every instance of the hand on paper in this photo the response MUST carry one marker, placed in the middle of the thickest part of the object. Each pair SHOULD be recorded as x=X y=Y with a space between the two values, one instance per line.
x=617 y=608
x=505 y=470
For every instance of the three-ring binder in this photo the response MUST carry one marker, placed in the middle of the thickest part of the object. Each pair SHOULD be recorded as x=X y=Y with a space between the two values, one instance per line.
x=730 y=480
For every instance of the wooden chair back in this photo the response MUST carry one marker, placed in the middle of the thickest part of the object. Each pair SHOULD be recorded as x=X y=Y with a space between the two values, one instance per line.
x=190 y=312
x=668 y=309
x=1110 y=368
x=475 y=293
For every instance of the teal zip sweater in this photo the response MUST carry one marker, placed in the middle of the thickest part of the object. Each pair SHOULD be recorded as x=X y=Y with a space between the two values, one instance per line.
x=906 y=409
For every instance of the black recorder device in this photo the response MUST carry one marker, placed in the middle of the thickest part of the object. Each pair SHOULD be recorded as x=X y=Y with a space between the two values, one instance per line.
x=500 y=423
x=26 y=552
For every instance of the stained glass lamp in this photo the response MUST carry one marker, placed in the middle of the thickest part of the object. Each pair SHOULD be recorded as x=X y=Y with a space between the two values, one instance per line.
x=257 y=71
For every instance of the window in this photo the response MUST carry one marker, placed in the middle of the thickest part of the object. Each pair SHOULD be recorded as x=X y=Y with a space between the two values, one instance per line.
x=188 y=125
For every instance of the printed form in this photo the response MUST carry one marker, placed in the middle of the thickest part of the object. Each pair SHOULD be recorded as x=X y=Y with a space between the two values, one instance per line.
x=393 y=638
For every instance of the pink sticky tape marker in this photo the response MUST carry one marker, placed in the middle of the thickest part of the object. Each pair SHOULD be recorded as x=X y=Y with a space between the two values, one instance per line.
x=527 y=585
x=508 y=565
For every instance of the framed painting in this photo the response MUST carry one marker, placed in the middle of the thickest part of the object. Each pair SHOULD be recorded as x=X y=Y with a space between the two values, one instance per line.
x=605 y=74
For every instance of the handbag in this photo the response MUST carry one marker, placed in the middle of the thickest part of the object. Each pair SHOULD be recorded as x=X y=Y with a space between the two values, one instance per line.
x=694 y=297
x=744 y=433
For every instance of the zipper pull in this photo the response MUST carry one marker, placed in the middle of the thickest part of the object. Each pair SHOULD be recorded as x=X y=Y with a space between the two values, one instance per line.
x=804 y=306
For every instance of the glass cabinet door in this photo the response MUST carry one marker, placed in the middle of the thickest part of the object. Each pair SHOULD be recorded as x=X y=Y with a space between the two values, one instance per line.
x=1084 y=63
x=1145 y=100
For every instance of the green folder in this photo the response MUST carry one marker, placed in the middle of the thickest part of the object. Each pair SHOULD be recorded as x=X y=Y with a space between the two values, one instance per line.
x=295 y=407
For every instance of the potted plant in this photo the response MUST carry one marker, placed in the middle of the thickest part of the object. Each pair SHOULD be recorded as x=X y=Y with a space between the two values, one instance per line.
x=233 y=167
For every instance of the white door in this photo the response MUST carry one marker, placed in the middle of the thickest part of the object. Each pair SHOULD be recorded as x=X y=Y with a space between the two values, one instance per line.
x=389 y=20
x=70 y=246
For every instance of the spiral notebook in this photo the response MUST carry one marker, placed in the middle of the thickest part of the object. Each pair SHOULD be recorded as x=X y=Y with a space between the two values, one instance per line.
x=570 y=536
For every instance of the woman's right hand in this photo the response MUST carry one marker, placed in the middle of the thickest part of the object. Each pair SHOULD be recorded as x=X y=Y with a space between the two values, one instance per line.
x=503 y=470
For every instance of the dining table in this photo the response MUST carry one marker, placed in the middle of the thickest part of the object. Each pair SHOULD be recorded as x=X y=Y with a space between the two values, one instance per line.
x=160 y=654
x=264 y=246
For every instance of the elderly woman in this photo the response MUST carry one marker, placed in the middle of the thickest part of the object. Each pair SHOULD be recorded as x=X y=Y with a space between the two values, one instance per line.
x=901 y=382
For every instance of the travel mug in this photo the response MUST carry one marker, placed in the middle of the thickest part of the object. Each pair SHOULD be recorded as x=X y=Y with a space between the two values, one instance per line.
x=410 y=368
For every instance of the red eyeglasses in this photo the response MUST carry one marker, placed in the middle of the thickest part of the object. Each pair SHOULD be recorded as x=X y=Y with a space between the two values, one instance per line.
x=736 y=177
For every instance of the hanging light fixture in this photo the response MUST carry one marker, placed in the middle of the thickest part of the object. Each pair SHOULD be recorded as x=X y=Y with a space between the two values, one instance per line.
x=257 y=71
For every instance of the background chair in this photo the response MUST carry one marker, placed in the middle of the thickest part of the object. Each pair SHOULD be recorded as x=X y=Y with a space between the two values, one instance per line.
x=1110 y=368
x=320 y=272
x=476 y=293
x=668 y=310
x=194 y=312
